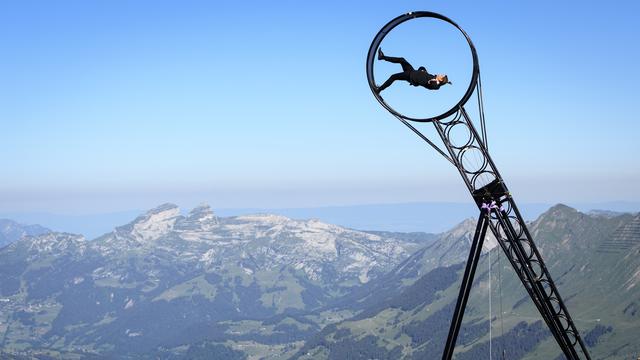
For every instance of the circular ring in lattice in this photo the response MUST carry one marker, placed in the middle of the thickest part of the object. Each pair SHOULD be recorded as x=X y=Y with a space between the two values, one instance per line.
x=459 y=135
x=483 y=178
x=472 y=160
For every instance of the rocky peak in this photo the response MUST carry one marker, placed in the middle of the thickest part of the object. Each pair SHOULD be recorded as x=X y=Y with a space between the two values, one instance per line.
x=464 y=232
x=465 y=228
x=561 y=210
x=154 y=223
x=557 y=217
x=202 y=211
x=200 y=218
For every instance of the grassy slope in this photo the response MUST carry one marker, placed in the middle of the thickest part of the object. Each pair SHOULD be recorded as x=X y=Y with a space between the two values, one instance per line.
x=597 y=288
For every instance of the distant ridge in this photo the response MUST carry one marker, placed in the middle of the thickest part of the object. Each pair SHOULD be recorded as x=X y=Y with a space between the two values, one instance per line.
x=11 y=231
x=430 y=217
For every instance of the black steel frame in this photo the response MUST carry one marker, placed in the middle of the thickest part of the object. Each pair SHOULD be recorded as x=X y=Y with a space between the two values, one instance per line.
x=498 y=210
x=467 y=281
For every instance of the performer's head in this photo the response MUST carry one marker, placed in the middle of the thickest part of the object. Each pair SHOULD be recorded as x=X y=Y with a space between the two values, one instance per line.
x=442 y=79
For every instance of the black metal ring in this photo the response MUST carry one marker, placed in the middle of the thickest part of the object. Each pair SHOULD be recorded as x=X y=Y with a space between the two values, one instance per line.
x=375 y=44
x=461 y=158
x=467 y=142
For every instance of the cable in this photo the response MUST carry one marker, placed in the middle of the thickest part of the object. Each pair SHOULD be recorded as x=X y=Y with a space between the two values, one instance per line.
x=501 y=311
x=425 y=139
x=490 y=318
x=481 y=111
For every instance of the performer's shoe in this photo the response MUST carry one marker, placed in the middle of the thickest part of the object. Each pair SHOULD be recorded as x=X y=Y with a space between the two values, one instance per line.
x=380 y=54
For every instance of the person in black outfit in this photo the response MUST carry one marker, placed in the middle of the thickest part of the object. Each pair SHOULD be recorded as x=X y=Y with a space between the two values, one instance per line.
x=420 y=77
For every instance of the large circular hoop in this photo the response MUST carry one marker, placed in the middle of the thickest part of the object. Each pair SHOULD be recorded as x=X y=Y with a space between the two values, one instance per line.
x=375 y=44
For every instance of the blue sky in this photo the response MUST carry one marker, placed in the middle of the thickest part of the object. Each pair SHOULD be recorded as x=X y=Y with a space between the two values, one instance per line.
x=109 y=106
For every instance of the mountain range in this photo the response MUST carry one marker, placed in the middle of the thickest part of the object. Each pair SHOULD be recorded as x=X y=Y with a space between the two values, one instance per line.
x=270 y=287
x=432 y=217
x=11 y=231
x=165 y=278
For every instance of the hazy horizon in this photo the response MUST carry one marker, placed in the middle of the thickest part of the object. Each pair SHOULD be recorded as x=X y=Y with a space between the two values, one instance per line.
x=429 y=217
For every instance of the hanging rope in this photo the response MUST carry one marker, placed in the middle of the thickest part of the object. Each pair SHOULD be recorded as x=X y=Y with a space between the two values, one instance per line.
x=501 y=312
x=481 y=111
x=490 y=318
x=485 y=140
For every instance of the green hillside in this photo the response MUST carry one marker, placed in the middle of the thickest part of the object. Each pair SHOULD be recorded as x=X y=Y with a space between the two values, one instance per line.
x=598 y=283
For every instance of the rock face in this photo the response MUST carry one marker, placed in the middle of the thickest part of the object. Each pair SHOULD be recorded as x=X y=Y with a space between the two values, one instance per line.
x=151 y=226
x=11 y=231
x=201 y=219
x=320 y=252
x=147 y=283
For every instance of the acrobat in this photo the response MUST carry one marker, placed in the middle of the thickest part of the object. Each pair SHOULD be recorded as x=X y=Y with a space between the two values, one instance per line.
x=420 y=77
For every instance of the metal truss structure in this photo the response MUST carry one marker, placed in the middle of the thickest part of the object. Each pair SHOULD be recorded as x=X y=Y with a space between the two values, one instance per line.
x=498 y=210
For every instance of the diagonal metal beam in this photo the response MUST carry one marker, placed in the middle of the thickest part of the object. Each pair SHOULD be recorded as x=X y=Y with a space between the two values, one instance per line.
x=467 y=281
x=426 y=139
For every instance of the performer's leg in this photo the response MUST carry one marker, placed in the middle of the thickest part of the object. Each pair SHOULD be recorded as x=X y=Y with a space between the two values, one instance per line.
x=392 y=78
x=406 y=67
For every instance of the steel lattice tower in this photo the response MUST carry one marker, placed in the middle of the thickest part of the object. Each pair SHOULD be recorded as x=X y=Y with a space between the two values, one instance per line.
x=498 y=210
